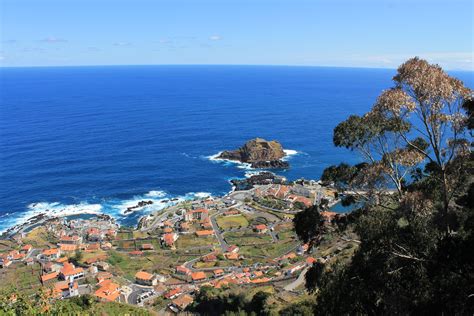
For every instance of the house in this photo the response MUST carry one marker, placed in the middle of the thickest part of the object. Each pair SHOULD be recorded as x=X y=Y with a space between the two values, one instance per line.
x=199 y=214
x=167 y=224
x=174 y=293
x=209 y=258
x=218 y=273
x=52 y=253
x=198 y=276
x=67 y=248
x=29 y=261
x=301 y=199
x=310 y=261
x=26 y=249
x=70 y=240
x=111 y=233
x=136 y=253
x=206 y=224
x=231 y=256
x=182 y=270
x=260 y=280
x=169 y=239
x=65 y=289
x=49 y=267
x=93 y=247
x=106 y=246
x=184 y=227
x=49 y=276
x=102 y=276
x=294 y=268
x=69 y=272
x=145 y=278
x=108 y=291
x=94 y=234
x=204 y=233
x=231 y=212
x=181 y=302
x=233 y=248
x=102 y=266
x=167 y=230
x=261 y=228
x=4 y=263
x=146 y=247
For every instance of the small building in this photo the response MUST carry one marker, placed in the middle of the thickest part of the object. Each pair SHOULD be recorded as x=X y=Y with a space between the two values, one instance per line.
x=198 y=276
x=136 y=253
x=169 y=239
x=29 y=261
x=70 y=273
x=67 y=248
x=233 y=248
x=146 y=247
x=204 y=233
x=261 y=228
x=49 y=276
x=209 y=258
x=26 y=249
x=231 y=256
x=184 y=227
x=217 y=273
x=174 y=293
x=65 y=289
x=180 y=303
x=145 y=278
x=70 y=240
x=94 y=234
x=199 y=214
x=108 y=291
x=102 y=266
x=310 y=261
x=4 y=263
x=182 y=270
x=52 y=253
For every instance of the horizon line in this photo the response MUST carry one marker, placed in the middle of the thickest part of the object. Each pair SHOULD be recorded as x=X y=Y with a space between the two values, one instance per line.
x=233 y=65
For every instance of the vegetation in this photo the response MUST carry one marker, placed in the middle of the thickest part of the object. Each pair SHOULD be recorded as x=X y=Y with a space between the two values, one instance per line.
x=230 y=222
x=415 y=254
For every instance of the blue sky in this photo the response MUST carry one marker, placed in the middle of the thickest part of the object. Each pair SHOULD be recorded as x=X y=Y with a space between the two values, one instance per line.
x=346 y=33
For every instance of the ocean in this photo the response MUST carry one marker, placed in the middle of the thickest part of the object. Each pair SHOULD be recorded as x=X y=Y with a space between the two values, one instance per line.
x=100 y=139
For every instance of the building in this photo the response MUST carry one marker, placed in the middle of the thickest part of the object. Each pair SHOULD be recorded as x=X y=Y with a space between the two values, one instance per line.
x=67 y=248
x=69 y=272
x=233 y=248
x=169 y=239
x=51 y=254
x=182 y=270
x=70 y=240
x=94 y=234
x=108 y=291
x=48 y=277
x=198 y=276
x=199 y=214
x=184 y=227
x=180 y=303
x=261 y=228
x=146 y=247
x=65 y=289
x=102 y=266
x=217 y=273
x=209 y=258
x=145 y=278
x=174 y=293
x=26 y=249
x=204 y=233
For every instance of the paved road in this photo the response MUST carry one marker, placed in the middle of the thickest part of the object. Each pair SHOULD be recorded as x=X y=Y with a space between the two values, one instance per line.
x=299 y=281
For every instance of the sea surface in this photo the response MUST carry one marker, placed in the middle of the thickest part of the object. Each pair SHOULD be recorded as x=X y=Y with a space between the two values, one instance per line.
x=100 y=139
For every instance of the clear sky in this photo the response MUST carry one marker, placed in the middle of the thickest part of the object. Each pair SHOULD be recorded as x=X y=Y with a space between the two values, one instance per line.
x=347 y=33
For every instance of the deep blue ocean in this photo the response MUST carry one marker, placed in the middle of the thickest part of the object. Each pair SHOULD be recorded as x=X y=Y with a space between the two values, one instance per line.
x=99 y=139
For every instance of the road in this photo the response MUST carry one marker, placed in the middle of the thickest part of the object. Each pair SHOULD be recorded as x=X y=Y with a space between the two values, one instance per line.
x=299 y=281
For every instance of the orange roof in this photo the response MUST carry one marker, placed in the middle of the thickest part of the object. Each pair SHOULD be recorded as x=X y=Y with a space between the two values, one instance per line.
x=70 y=238
x=67 y=247
x=200 y=210
x=108 y=291
x=168 y=230
x=146 y=246
x=183 y=301
x=232 y=256
x=49 y=252
x=64 y=285
x=168 y=238
x=261 y=227
x=196 y=276
x=258 y=273
x=49 y=276
x=69 y=269
x=62 y=259
x=261 y=280
x=167 y=223
x=173 y=292
x=310 y=260
x=182 y=269
x=26 y=247
x=218 y=271
x=201 y=233
x=142 y=275
x=136 y=253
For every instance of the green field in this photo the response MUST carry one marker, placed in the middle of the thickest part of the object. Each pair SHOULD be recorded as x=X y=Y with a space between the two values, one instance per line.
x=229 y=222
x=25 y=279
x=191 y=240
x=246 y=238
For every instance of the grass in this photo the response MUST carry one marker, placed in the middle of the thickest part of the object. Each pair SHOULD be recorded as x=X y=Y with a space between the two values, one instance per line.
x=24 y=278
x=191 y=240
x=246 y=238
x=229 y=222
x=39 y=238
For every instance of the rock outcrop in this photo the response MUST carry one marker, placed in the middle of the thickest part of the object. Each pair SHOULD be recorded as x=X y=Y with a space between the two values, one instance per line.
x=260 y=153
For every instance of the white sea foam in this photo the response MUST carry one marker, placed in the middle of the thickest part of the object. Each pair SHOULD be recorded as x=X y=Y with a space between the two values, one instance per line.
x=201 y=195
x=154 y=194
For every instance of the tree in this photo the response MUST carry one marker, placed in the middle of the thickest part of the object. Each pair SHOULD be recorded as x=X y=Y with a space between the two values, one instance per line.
x=309 y=225
x=421 y=119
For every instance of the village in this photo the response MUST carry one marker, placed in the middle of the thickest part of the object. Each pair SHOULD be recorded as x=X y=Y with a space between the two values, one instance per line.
x=244 y=238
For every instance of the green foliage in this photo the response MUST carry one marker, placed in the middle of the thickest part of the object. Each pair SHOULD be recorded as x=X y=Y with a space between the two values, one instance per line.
x=309 y=224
